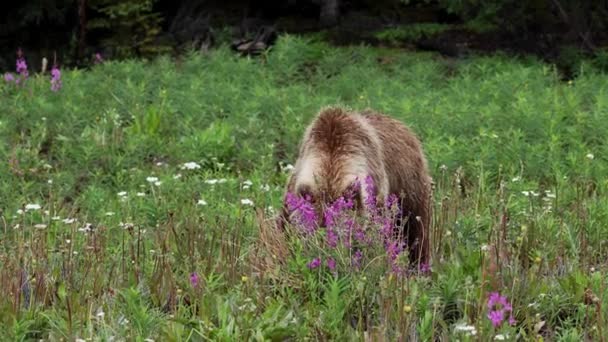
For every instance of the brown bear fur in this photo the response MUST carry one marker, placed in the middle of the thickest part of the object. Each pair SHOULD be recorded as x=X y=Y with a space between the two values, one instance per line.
x=339 y=147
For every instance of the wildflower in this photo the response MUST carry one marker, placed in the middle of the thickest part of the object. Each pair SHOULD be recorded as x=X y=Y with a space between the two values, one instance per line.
x=425 y=268
x=157 y=183
x=8 y=77
x=526 y=193
x=248 y=183
x=331 y=264
x=244 y=279
x=370 y=190
x=177 y=176
x=356 y=258
x=21 y=65
x=97 y=58
x=468 y=329
x=190 y=166
x=122 y=194
x=201 y=202
x=194 y=279
x=333 y=211
x=265 y=187
x=55 y=218
x=499 y=306
x=316 y=262
x=516 y=179
x=68 y=220
x=246 y=201
x=20 y=211
x=211 y=181
x=407 y=309
x=100 y=314
x=34 y=206
x=55 y=78
x=221 y=180
x=393 y=249
x=152 y=179
x=40 y=226
x=500 y=337
x=87 y=228
x=110 y=213
x=332 y=238
x=306 y=216
x=140 y=194
x=590 y=156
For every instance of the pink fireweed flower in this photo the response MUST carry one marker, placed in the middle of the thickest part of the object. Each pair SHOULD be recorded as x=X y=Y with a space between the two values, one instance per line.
x=97 y=59
x=304 y=210
x=332 y=238
x=370 y=189
x=8 y=77
x=356 y=259
x=335 y=210
x=331 y=264
x=194 y=279
x=55 y=78
x=498 y=306
x=316 y=262
x=424 y=268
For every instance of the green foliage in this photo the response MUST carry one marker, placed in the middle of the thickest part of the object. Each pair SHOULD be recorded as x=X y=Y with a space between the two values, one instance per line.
x=410 y=33
x=518 y=159
x=132 y=26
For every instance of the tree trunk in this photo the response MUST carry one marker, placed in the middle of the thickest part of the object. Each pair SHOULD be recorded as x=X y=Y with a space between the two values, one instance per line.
x=82 y=16
x=329 y=12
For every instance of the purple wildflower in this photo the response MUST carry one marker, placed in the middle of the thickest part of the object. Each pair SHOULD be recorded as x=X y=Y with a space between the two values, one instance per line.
x=332 y=238
x=21 y=64
x=496 y=317
x=316 y=262
x=331 y=264
x=8 y=77
x=370 y=190
x=498 y=306
x=393 y=249
x=194 y=279
x=97 y=59
x=336 y=208
x=360 y=235
x=356 y=259
x=391 y=201
x=387 y=227
x=424 y=268
x=305 y=211
x=55 y=78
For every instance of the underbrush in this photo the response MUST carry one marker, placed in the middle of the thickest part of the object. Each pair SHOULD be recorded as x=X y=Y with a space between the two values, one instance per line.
x=137 y=200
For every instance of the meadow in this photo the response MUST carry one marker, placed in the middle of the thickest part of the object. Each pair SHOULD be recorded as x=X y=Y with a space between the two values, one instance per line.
x=136 y=200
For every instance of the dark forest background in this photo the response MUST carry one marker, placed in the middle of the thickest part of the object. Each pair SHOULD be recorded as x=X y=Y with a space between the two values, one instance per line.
x=71 y=31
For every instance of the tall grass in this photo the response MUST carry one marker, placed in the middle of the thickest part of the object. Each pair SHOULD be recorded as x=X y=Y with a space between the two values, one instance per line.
x=130 y=243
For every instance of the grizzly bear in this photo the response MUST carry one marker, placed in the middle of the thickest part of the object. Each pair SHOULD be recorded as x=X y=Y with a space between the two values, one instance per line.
x=341 y=147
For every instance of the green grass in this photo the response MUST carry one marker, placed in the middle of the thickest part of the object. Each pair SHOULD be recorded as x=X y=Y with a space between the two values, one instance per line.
x=410 y=33
x=492 y=128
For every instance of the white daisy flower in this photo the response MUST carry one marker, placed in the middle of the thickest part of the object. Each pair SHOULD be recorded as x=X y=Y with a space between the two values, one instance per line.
x=246 y=201
x=152 y=179
x=190 y=166
x=32 y=206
